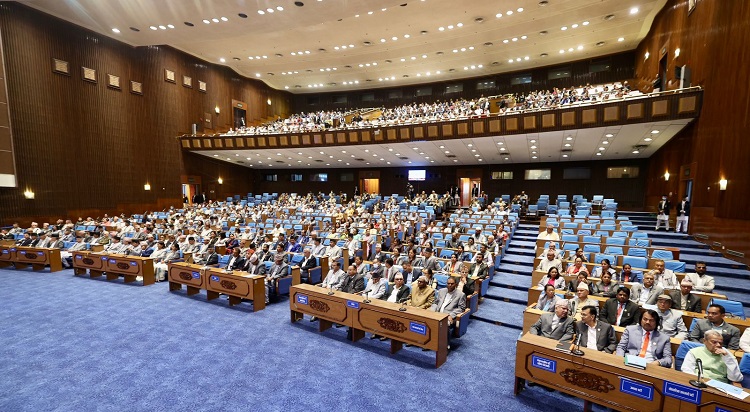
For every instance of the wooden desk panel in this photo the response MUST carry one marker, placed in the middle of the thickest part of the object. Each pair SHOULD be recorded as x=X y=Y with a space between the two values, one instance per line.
x=188 y=274
x=130 y=267
x=237 y=285
x=93 y=262
x=7 y=256
x=37 y=258
x=598 y=377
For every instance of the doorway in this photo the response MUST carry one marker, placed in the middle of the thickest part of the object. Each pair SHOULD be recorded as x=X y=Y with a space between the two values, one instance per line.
x=662 y=84
x=470 y=187
x=239 y=114
x=688 y=189
x=369 y=186
x=189 y=191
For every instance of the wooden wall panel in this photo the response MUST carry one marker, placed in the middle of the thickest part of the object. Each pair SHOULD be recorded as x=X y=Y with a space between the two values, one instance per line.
x=83 y=146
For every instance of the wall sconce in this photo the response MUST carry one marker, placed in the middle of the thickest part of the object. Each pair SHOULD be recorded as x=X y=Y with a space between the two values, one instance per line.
x=676 y=52
x=217 y=110
x=220 y=181
x=147 y=187
x=28 y=194
x=666 y=176
x=268 y=101
x=646 y=56
x=723 y=184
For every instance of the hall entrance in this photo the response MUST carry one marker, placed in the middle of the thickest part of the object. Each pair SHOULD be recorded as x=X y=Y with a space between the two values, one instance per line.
x=369 y=186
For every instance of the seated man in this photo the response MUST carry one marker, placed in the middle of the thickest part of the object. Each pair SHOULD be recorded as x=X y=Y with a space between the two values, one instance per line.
x=410 y=274
x=582 y=299
x=430 y=261
x=718 y=363
x=479 y=269
x=278 y=270
x=452 y=301
x=671 y=320
x=552 y=248
x=353 y=281
x=646 y=293
x=308 y=263
x=236 y=262
x=376 y=287
x=620 y=310
x=557 y=325
x=644 y=340
x=701 y=281
x=684 y=300
x=715 y=320
x=550 y=261
x=422 y=296
x=664 y=278
x=254 y=266
x=399 y=292
x=549 y=234
x=335 y=277
x=318 y=249
x=375 y=267
x=595 y=334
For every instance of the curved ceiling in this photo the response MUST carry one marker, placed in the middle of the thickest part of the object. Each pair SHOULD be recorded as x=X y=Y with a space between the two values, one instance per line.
x=325 y=45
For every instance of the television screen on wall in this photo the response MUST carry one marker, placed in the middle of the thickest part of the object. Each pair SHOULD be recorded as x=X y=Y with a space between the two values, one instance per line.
x=417 y=175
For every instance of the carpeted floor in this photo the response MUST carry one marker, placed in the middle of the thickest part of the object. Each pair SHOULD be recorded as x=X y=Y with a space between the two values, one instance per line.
x=78 y=344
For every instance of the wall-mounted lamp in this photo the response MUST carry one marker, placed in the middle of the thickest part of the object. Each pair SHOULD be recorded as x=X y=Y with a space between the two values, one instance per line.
x=676 y=52
x=28 y=194
x=268 y=101
x=217 y=110
x=723 y=184
x=666 y=176
x=220 y=181
x=147 y=187
x=645 y=56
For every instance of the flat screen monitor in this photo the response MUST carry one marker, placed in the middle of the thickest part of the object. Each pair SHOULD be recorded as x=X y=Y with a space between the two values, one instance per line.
x=417 y=175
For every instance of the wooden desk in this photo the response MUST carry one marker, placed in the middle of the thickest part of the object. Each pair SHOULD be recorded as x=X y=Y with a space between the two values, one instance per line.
x=38 y=258
x=419 y=327
x=600 y=378
x=7 y=255
x=114 y=266
x=237 y=285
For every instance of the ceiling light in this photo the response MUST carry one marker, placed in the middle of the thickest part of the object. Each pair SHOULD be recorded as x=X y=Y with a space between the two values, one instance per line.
x=162 y=27
x=634 y=10
x=621 y=39
x=222 y=60
x=510 y=60
x=224 y=19
x=518 y=59
x=598 y=153
x=567 y=144
x=585 y=23
x=562 y=51
x=648 y=139
x=533 y=147
x=505 y=41
x=259 y=12
x=654 y=132
x=509 y=12
x=215 y=20
x=601 y=148
x=608 y=135
x=533 y=157
x=498 y=15
x=406 y=36
x=116 y=30
x=279 y=8
x=580 y=47
x=441 y=28
x=563 y=28
x=565 y=155
x=270 y=10
x=524 y=37
x=450 y=27
x=574 y=26
x=526 y=58
x=394 y=38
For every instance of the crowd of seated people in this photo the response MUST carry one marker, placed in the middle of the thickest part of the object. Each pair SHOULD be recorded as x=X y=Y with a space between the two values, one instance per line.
x=443 y=110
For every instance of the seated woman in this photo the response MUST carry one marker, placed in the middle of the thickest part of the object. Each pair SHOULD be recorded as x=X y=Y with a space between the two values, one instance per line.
x=547 y=299
x=553 y=278
x=430 y=277
x=608 y=287
x=583 y=277
x=454 y=266
x=471 y=246
x=160 y=265
x=463 y=255
x=605 y=267
x=576 y=267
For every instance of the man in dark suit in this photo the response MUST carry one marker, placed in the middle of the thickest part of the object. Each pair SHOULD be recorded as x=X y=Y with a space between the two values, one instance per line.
x=410 y=274
x=479 y=269
x=683 y=215
x=212 y=258
x=399 y=293
x=354 y=282
x=255 y=266
x=26 y=241
x=646 y=341
x=452 y=301
x=620 y=310
x=430 y=261
x=379 y=255
x=589 y=326
x=308 y=263
x=557 y=325
x=475 y=191
x=715 y=321
x=236 y=262
x=683 y=299
x=662 y=216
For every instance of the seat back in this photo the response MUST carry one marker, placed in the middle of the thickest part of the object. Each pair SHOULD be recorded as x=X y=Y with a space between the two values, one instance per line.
x=745 y=369
x=732 y=307
x=617 y=241
x=636 y=251
x=614 y=250
x=635 y=261
x=675 y=266
x=682 y=351
x=592 y=248
x=601 y=256
x=662 y=254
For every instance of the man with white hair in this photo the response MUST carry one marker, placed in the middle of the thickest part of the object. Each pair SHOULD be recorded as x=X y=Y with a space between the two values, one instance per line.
x=718 y=363
x=556 y=325
x=549 y=234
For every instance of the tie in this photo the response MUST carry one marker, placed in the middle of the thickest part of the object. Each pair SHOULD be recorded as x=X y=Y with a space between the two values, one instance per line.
x=644 y=348
x=619 y=311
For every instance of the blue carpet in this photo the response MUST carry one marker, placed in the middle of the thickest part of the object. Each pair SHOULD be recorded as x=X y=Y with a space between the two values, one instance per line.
x=77 y=344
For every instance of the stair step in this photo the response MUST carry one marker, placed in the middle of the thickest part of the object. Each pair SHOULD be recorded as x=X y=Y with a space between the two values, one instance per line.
x=501 y=313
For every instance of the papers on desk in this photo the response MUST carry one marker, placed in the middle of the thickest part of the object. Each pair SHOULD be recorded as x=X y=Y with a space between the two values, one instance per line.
x=728 y=389
x=635 y=361
x=651 y=307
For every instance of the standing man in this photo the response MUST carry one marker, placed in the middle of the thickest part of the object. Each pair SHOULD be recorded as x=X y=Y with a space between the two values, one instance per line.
x=718 y=363
x=644 y=340
x=663 y=213
x=683 y=214
x=595 y=334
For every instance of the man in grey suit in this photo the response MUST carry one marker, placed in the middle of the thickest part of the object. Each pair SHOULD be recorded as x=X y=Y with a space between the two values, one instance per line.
x=644 y=340
x=646 y=293
x=450 y=301
x=595 y=334
x=430 y=261
x=278 y=270
x=683 y=299
x=715 y=320
x=671 y=320
x=557 y=325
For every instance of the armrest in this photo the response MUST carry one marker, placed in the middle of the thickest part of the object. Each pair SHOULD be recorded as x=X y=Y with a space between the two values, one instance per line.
x=462 y=323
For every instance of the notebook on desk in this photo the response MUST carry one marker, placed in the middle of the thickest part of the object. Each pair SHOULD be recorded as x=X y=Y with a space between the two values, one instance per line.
x=635 y=361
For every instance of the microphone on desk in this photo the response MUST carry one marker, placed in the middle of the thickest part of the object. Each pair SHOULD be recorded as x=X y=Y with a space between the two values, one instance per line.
x=367 y=299
x=403 y=307
x=577 y=346
x=698 y=383
x=330 y=292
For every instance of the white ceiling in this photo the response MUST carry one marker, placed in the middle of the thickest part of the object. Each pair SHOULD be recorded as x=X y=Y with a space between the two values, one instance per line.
x=320 y=26
x=585 y=143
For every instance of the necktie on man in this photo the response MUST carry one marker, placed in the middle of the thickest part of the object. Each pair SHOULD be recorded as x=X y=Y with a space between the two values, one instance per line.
x=644 y=348
x=619 y=311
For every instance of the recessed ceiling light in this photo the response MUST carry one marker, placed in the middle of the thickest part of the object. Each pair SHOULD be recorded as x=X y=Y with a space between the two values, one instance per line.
x=621 y=39
x=585 y=23
x=654 y=132
x=601 y=148
x=563 y=28
x=568 y=138
x=605 y=142
x=567 y=144
x=598 y=153
x=224 y=19
x=222 y=60
x=533 y=157
x=116 y=30
x=648 y=139
x=608 y=135
x=634 y=10
x=163 y=27
x=215 y=20
x=575 y=26
x=565 y=155
x=498 y=15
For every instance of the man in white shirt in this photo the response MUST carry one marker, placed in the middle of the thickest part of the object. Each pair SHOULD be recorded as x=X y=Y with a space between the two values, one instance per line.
x=664 y=278
x=718 y=363
x=701 y=281
x=549 y=234
x=549 y=262
x=646 y=293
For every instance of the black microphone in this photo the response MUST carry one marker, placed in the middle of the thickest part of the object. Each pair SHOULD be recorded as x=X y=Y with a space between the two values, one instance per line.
x=698 y=383
x=577 y=350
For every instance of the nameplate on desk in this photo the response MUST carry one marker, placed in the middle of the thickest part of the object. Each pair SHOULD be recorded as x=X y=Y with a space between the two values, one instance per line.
x=104 y=258
x=13 y=249
x=112 y=261
x=720 y=409
x=352 y=304
x=214 y=278
x=79 y=257
x=5 y=251
x=302 y=299
x=418 y=328
x=544 y=364
x=40 y=253
x=637 y=389
x=196 y=275
x=682 y=392
x=133 y=263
